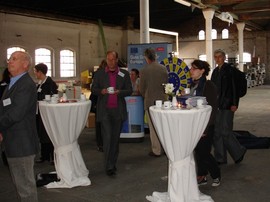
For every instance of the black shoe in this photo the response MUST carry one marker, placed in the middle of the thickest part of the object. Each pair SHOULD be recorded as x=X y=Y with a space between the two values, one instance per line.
x=100 y=149
x=153 y=154
x=241 y=158
x=40 y=161
x=111 y=172
x=221 y=163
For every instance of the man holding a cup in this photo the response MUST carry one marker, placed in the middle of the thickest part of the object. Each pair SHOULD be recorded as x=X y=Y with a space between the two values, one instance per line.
x=111 y=84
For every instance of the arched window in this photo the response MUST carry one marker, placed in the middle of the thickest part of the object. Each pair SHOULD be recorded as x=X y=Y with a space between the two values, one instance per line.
x=67 y=63
x=214 y=34
x=12 y=50
x=225 y=34
x=201 y=35
x=202 y=57
x=246 y=57
x=44 y=55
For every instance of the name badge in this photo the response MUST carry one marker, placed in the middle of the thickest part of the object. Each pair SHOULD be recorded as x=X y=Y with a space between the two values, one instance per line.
x=6 y=102
x=121 y=74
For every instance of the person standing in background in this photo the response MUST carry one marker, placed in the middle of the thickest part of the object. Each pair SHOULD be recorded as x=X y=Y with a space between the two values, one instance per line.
x=228 y=101
x=46 y=86
x=111 y=85
x=18 y=125
x=200 y=86
x=3 y=84
x=152 y=76
x=94 y=99
x=135 y=80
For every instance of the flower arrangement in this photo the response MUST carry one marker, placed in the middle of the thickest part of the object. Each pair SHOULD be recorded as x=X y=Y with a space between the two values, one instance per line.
x=62 y=87
x=169 y=88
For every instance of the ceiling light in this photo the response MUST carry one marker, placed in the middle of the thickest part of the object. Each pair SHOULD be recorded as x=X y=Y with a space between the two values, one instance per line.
x=185 y=3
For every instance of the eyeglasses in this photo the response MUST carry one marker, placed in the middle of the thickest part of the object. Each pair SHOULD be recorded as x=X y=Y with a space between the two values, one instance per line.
x=193 y=68
x=12 y=59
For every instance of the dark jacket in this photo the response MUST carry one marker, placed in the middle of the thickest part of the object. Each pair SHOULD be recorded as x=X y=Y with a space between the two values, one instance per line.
x=49 y=87
x=227 y=94
x=123 y=84
x=18 y=118
x=208 y=89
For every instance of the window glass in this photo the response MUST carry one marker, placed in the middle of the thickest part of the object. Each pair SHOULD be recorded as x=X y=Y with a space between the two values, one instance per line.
x=225 y=34
x=67 y=63
x=44 y=55
x=214 y=34
x=12 y=50
x=201 y=35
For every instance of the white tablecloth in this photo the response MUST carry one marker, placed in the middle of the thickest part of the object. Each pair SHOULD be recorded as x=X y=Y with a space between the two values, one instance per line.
x=179 y=131
x=64 y=123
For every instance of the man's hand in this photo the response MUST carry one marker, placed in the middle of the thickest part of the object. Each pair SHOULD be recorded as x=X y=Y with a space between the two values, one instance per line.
x=233 y=108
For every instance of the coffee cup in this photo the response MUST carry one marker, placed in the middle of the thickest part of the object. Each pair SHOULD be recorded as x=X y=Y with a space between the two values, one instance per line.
x=187 y=91
x=199 y=102
x=110 y=90
x=48 y=97
x=53 y=100
x=159 y=103
x=167 y=105
x=56 y=96
x=83 y=98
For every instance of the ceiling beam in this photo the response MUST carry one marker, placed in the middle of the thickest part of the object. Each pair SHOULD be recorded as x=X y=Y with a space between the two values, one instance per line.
x=252 y=10
x=223 y=2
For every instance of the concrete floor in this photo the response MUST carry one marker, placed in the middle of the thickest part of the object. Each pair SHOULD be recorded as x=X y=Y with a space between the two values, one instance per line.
x=139 y=175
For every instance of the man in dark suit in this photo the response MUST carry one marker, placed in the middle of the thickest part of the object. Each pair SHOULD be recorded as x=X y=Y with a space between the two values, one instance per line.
x=18 y=125
x=152 y=76
x=46 y=86
x=111 y=106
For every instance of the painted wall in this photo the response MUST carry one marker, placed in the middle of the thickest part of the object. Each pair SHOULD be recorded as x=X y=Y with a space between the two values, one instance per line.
x=85 y=39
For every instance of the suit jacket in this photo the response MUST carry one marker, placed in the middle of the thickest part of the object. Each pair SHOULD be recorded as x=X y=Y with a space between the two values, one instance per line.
x=18 y=118
x=152 y=76
x=49 y=87
x=227 y=94
x=101 y=81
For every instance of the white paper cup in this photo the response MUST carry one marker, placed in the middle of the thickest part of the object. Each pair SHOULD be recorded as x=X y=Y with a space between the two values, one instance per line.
x=110 y=90
x=47 y=97
x=159 y=103
x=167 y=105
x=56 y=96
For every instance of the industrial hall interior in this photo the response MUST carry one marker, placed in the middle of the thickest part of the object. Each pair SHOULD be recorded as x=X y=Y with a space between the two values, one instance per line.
x=134 y=100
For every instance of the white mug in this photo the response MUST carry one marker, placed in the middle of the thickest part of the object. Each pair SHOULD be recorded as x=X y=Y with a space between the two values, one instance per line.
x=110 y=90
x=187 y=91
x=167 y=105
x=53 y=100
x=83 y=98
x=199 y=102
x=56 y=96
x=159 y=103
x=48 y=97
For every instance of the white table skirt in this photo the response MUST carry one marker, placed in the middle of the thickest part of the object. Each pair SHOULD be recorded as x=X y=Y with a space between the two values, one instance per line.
x=64 y=123
x=179 y=132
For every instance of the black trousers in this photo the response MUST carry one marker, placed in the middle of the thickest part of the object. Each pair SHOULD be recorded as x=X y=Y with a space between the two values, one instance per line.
x=206 y=163
x=98 y=134
x=111 y=125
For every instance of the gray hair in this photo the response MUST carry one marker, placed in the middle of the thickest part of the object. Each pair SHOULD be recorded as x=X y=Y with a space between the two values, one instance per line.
x=220 y=51
x=150 y=53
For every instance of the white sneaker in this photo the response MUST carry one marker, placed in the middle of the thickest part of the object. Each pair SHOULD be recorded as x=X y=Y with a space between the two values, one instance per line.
x=216 y=182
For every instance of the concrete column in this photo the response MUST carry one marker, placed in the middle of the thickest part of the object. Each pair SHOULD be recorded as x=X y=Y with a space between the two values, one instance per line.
x=144 y=21
x=208 y=15
x=240 y=27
